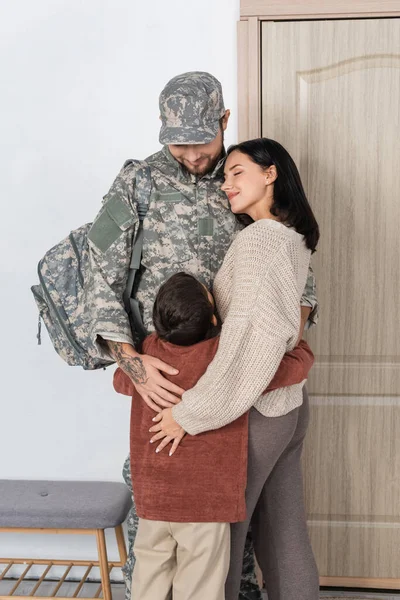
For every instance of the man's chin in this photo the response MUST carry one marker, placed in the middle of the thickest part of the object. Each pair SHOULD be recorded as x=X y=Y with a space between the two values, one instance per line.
x=202 y=169
x=199 y=171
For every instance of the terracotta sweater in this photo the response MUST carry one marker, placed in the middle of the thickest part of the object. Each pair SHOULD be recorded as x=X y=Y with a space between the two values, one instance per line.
x=205 y=480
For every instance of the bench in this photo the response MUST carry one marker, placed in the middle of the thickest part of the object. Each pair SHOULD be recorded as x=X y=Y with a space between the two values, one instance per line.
x=64 y=507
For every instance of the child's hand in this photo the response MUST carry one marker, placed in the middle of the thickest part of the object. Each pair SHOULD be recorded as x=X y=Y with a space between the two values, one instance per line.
x=168 y=431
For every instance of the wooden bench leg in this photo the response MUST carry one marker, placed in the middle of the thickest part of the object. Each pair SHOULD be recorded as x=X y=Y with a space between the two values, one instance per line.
x=103 y=560
x=119 y=534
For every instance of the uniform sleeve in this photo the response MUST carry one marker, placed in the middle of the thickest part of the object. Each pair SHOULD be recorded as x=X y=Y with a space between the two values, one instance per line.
x=110 y=246
x=261 y=325
x=309 y=298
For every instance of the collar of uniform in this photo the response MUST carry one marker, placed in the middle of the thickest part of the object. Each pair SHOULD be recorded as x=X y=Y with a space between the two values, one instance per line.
x=218 y=172
x=182 y=174
x=185 y=176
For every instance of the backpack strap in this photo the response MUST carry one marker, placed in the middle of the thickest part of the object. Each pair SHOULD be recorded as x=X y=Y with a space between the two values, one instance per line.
x=143 y=192
x=142 y=187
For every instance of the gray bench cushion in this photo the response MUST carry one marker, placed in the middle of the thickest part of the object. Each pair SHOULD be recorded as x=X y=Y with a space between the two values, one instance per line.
x=63 y=504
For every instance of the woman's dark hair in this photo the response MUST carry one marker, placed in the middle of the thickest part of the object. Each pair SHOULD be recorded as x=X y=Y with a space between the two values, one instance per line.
x=182 y=312
x=290 y=201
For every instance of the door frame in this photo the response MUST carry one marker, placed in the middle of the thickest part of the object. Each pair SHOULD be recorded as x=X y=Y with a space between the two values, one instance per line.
x=254 y=12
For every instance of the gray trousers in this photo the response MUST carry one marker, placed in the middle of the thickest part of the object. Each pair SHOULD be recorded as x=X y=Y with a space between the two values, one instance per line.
x=275 y=510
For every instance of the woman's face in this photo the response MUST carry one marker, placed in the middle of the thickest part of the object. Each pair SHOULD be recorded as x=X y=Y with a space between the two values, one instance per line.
x=249 y=187
x=246 y=185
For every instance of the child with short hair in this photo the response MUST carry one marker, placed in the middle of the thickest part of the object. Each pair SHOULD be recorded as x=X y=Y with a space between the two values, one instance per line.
x=186 y=503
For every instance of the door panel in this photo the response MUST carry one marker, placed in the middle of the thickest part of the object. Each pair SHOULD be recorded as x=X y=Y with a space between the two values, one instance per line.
x=330 y=95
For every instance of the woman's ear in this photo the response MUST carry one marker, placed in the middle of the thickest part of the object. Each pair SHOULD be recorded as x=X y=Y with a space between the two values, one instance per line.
x=214 y=320
x=271 y=175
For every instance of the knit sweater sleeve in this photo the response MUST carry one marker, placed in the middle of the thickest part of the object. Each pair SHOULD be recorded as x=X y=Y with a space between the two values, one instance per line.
x=261 y=324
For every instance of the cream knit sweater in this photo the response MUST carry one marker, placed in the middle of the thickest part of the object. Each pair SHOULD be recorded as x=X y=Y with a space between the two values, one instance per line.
x=258 y=291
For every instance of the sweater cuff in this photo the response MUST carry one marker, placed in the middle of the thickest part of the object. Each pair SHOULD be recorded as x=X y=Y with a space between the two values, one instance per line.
x=181 y=414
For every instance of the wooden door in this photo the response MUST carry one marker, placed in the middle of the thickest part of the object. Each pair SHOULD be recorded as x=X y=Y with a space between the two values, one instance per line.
x=331 y=96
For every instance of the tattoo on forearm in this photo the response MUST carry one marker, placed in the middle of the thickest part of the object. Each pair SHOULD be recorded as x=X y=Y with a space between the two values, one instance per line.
x=132 y=365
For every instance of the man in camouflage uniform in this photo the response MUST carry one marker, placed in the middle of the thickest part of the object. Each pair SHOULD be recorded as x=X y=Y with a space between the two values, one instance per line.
x=188 y=227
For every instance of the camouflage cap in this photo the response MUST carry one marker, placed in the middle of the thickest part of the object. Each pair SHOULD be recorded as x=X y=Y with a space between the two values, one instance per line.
x=191 y=106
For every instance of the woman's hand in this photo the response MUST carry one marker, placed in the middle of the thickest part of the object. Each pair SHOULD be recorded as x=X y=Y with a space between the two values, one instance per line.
x=168 y=431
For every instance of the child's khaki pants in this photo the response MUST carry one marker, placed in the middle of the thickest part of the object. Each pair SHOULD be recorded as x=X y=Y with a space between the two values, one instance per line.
x=181 y=561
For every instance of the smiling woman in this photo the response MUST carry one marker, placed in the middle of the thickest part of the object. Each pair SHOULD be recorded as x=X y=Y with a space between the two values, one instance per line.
x=262 y=181
x=248 y=186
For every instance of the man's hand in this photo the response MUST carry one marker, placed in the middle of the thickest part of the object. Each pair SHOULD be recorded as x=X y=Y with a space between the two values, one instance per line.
x=144 y=372
x=168 y=431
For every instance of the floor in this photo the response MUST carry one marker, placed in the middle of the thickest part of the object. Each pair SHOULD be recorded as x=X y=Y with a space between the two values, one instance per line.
x=89 y=589
x=337 y=595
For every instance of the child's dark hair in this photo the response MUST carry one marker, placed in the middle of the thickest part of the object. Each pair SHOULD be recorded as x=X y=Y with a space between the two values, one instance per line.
x=290 y=201
x=182 y=311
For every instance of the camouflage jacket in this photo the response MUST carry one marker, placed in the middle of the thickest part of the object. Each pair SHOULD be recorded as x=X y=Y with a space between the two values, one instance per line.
x=189 y=227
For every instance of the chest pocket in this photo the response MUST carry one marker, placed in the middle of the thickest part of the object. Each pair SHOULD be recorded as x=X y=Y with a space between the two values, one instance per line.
x=166 y=239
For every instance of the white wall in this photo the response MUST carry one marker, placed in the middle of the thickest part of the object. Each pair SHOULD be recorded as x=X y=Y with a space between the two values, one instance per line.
x=79 y=94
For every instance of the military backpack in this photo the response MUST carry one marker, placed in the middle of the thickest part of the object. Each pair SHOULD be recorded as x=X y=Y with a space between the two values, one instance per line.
x=62 y=273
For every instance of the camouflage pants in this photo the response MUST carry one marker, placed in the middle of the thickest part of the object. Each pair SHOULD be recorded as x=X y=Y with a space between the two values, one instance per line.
x=249 y=589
